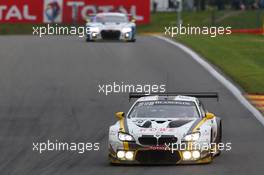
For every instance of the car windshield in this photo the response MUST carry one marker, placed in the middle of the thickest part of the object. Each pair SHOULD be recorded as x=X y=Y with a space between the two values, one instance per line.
x=110 y=19
x=164 y=109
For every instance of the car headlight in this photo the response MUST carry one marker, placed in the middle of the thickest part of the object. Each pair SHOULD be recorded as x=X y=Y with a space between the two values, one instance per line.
x=126 y=30
x=192 y=137
x=94 y=29
x=125 y=137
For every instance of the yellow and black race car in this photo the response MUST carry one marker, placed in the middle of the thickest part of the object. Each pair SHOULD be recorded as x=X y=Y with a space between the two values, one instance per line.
x=172 y=128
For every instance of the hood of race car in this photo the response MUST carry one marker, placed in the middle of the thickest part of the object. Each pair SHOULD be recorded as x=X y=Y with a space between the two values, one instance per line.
x=160 y=126
x=111 y=26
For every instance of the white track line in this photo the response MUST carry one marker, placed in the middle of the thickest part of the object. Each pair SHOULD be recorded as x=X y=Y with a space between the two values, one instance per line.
x=232 y=88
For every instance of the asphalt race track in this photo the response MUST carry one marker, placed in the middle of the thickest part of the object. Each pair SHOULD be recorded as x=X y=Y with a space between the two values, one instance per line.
x=49 y=90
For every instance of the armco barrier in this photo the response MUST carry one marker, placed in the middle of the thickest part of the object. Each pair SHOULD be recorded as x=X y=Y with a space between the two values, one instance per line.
x=69 y=11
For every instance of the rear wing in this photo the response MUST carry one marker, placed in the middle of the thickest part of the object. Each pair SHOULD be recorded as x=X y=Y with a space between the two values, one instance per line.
x=92 y=15
x=191 y=94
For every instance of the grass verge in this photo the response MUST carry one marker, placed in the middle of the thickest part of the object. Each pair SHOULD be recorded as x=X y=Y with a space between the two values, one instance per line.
x=235 y=19
x=239 y=56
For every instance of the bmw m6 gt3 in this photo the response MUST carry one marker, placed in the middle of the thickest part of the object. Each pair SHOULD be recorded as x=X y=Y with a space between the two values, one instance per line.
x=155 y=128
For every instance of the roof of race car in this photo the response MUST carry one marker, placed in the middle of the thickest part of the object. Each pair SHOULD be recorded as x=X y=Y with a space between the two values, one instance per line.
x=111 y=14
x=174 y=98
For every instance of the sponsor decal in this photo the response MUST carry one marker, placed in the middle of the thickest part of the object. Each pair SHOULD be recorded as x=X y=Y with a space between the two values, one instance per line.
x=158 y=130
x=161 y=148
x=152 y=103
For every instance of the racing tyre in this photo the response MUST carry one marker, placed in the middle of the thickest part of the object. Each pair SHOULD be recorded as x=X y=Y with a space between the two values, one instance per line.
x=88 y=39
x=132 y=40
x=219 y=135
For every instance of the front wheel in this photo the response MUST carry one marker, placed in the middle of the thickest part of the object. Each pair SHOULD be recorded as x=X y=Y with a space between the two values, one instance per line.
x=88 y=39
x=132 y=40
x=219 y=136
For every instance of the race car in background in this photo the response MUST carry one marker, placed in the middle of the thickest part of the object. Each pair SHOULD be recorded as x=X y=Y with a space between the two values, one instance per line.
x=155 y=124
x=114 y=26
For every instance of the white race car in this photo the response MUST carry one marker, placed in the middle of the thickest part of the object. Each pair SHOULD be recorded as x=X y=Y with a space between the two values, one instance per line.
x=165 y=129
x=115 y=26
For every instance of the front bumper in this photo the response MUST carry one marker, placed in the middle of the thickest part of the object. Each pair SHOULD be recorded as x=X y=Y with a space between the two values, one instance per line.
x=111 y=35
x=146 y=155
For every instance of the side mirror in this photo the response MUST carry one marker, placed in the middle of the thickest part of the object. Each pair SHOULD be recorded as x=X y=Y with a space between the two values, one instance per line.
x=209 y=115
x=120 y=115
x=88 y=20
x=133 y=20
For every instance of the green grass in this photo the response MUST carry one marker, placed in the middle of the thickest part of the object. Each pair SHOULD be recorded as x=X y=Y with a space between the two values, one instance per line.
x=235 y=19
x=160 y=20
x=7 y=29
x=239 y=56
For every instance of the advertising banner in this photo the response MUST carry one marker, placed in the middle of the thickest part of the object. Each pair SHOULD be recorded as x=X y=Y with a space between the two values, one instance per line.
x=21 y=11
x=69 y=11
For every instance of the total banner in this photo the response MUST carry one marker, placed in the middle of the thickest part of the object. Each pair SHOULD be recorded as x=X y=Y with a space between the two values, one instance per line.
x=69 y=11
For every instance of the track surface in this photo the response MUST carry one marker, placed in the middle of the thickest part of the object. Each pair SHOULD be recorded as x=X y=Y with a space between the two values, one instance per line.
x=49 y=90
